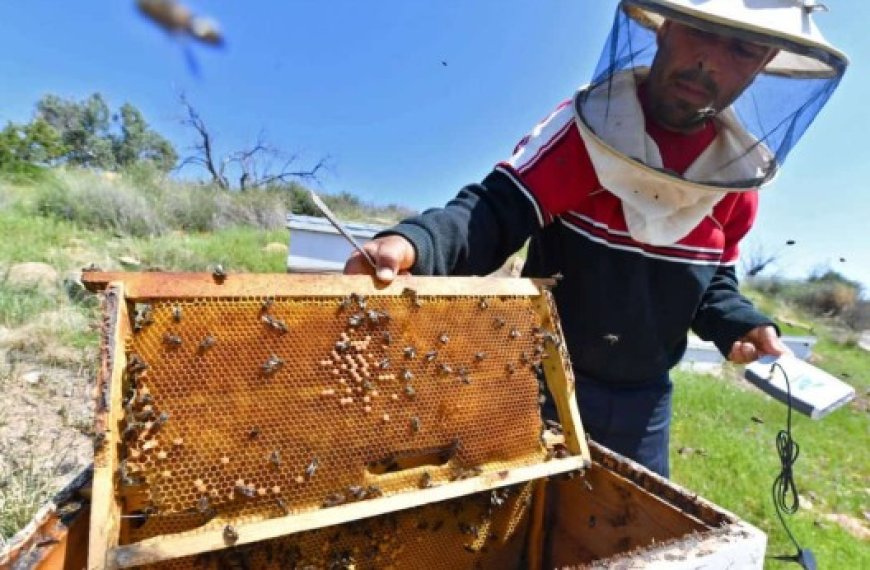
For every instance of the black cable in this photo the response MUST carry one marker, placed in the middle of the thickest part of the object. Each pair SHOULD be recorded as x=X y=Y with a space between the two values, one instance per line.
x=784 y=490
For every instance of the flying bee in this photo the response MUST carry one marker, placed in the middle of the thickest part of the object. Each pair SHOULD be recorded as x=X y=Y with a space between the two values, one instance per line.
x=498 y=322
x=480 y=356
x=312 y=468
x=409 y=391
x=333 y=500
x=207 y=342
x=407 y=375
x=271 y=365
x=172 y=339
x=443 y=338
x=176 y=313
x=431 y=355
x=230 y=534
x=415 y=424
x=425 y=480
x=410 y=352
x=611 y=338
x=275 y=458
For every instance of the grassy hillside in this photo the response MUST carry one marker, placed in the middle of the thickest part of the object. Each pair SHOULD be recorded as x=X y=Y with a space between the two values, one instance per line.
x=724 y=429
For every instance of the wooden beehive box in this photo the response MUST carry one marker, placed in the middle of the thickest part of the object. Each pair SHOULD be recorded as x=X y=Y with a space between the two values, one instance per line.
x=243 y=408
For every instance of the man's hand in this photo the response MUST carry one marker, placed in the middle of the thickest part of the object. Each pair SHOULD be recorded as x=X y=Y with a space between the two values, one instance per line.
x=758 y=342
x=392 y=254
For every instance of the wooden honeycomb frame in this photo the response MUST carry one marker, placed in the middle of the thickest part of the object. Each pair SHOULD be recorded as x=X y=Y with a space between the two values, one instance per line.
x=122 y=291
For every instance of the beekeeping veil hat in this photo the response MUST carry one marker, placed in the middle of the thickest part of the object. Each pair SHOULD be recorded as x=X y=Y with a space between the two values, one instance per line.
x=753 y=136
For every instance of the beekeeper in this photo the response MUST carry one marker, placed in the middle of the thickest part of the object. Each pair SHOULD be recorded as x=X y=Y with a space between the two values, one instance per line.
x=638 y=191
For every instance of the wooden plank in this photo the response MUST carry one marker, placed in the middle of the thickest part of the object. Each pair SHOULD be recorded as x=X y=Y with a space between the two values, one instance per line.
x=560 y=380
x=105 y=510
x=183 y=544
x=156 y=285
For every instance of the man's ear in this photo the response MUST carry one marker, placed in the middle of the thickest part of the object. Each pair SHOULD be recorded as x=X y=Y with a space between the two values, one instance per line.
x=662 y=31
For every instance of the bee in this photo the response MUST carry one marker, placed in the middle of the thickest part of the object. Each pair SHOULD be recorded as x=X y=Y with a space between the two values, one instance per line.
x=445 y=369
x=160 y=421
x=554 y=426
x=230 y=534
x=443 y=338
x=282 y=505
x=373 y=491
x=142 y=317
x=360 y=301
x=463 y=376
x=312 y=468
x=415 y=424
x=431 y=355
x=206 y=343
x=342 y=346
x=99 y=440
x=266 y=305
x=387 y=337
x=484 y=304
x=611 y=338
x=409 y=391
x=135 y=364
x=407 y=375
x=333 y=500
x=425 y=480
x=524 y=358
x=253 y=432
x=275 y=458
x=203 y=506
x=497 y=499
x=412 y=294
x=480 y=356
x=510 y=368
x=176 y=313
x=410 y=352
x=463 y=473
x=219 y=273
x=357 y=492
x=355 y=320
x=375 y=317
x=271 y=365
x=276 y=324
x=515 y=333
x=345 y=303
x=172 y=339
x=498 y=322
x=246 y=491
x=384 y=363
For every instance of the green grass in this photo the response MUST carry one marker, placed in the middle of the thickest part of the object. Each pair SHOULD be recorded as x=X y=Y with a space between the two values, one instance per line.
x=18 y=306
x=740 y=462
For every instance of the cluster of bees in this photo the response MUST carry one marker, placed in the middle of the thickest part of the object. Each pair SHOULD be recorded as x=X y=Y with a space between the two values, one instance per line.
x=477 y=520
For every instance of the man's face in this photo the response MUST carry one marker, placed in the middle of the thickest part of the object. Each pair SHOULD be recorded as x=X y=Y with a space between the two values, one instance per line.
x=696 y=73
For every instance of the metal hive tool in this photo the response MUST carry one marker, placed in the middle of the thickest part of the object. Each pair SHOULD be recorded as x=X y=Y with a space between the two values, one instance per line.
x=280 y=404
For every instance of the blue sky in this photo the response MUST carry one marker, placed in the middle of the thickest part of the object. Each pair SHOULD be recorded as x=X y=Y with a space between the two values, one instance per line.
x=364 y=83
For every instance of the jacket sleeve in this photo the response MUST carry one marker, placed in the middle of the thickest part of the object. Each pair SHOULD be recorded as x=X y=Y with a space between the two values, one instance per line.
x=725 y=315
x=475 y=232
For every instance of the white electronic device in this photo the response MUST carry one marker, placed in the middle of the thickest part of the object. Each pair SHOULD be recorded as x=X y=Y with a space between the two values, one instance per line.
x=814 y=392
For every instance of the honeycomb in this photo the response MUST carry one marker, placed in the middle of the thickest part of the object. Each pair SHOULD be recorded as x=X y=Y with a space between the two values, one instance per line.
x=485 y=530
x=242 y=409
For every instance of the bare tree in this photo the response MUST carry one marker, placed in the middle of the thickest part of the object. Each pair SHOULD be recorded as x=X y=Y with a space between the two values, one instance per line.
x=255 y=165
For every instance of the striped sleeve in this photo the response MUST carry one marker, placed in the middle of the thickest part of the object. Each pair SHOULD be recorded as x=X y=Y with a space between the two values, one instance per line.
x=550 y=165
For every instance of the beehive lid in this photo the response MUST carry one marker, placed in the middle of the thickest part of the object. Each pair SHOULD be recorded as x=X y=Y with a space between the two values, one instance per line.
x=275 y=404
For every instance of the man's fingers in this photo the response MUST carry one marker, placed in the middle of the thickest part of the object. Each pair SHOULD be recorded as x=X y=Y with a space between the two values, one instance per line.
x=742 y=352
x=392 y=255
